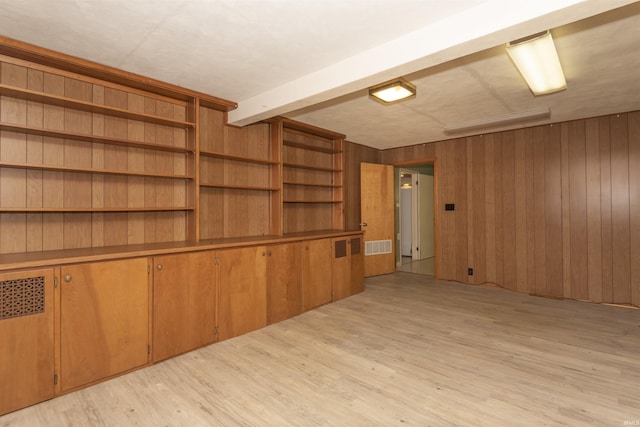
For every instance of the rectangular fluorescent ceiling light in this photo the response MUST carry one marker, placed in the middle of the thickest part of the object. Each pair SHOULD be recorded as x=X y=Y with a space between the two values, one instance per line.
x=503 y=120
x=537 y=60
x=392 y=91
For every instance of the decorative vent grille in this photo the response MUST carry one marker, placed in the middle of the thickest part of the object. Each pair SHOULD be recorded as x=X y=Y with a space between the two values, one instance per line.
x=21 y=297
x=377 y=247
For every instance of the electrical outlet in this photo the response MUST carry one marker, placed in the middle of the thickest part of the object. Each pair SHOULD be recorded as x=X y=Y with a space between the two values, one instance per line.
x=470 y=271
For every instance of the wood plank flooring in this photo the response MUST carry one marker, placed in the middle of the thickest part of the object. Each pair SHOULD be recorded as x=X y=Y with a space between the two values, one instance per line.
x=410 y=350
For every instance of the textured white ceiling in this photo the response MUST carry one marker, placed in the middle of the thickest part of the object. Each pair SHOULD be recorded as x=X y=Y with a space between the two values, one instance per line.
x=248 y=50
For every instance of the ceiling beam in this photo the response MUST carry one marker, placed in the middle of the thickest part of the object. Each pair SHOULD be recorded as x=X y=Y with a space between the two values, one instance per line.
x=485 y=26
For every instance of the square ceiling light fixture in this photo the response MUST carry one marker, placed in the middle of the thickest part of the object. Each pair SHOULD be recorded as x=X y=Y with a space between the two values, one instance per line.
x=537 y=60
x=392 y=91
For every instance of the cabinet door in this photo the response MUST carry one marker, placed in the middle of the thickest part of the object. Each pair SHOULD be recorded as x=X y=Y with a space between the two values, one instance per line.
x=341 y=269
x=184 y=296
x=104 y=320
x=242 y=294
x=356 y=251
x=316 y=273
x=284 y=281
x=26 y=338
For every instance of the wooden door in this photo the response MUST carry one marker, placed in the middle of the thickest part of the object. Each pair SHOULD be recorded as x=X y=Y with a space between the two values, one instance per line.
x=316 y=273
x=377 y=212
x=26 y=338
x=104 y=320
x=184 y=296
x=284 y=281
x=356 y=252
x=341 y=269
x=242 y=291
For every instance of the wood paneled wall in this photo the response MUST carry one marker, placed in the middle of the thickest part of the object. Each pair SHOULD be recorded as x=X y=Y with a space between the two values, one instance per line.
x=353 y=156
x=551 y=210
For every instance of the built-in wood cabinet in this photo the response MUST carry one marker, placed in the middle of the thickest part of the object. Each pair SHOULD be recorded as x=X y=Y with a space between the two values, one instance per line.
x=148 y=222
x=26 y=338
x=316 y=273
x=347 y=267
x=104 y=320
x=284 y=281
x=184 y=303
x=242 y=291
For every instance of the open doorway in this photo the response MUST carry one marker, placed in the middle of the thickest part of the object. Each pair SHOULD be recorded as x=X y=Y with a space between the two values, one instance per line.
x=415 y=224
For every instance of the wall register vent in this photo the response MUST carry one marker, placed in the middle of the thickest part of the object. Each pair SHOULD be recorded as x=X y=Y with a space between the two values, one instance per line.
x=21 y=297
x=377 y=247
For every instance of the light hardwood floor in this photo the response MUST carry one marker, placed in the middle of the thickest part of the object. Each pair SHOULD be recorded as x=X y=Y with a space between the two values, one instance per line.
x=408 y=351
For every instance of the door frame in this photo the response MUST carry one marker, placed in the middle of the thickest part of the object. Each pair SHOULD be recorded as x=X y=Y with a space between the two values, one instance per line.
x=398 y=166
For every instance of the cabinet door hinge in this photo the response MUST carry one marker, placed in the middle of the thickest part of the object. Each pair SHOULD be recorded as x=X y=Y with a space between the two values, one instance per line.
x=215 y=330
x=55 y=379
x=148 y=349
x=216 y=261
x=55 y=281
x=148 y=269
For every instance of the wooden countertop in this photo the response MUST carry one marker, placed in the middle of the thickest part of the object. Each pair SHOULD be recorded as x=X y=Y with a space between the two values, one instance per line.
x=72 y=256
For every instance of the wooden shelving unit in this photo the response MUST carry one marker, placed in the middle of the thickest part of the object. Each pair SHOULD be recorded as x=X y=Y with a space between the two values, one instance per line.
x=239 y=182
x=87 y=162
x=312 y=172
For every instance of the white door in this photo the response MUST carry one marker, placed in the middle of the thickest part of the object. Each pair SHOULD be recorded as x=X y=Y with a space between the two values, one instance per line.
x=423 y=216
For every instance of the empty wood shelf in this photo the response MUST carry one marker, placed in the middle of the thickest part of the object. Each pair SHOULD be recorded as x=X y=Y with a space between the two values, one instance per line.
x=240 y=187
x=238 y=158
x=309 y=167
x=96 y=210
x=91 y=170
x=330 y=148
x=30 y=130
x=90 y=107
x=304 y=184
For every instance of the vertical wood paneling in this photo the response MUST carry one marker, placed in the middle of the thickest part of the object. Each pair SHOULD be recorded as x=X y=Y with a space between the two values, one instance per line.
x=35 y=232
x=620 y=209
x=476 y=209
x=531 y=212
x=594 y=218
x=499 y=216
x=53 y=154
x=578 y=209
x=539 y=245
x=634 y=192
x=77 y=186
x=558 y=208
x=461 y=238
x=520 y=210
x=489 y=210
x=553 y=211
x=605 y=209
x=508 y=158
x=13 y=235
x=566 y=211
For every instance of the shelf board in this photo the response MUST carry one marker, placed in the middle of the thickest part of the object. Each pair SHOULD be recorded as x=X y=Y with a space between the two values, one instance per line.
x=93 y=210
x=240 y=187
x=304 y=184
x=238 y=158
x=309 y=147
x=313 y=201
x=90 y=138
x=313 y=168
x=91 y=171
x=90 y=107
